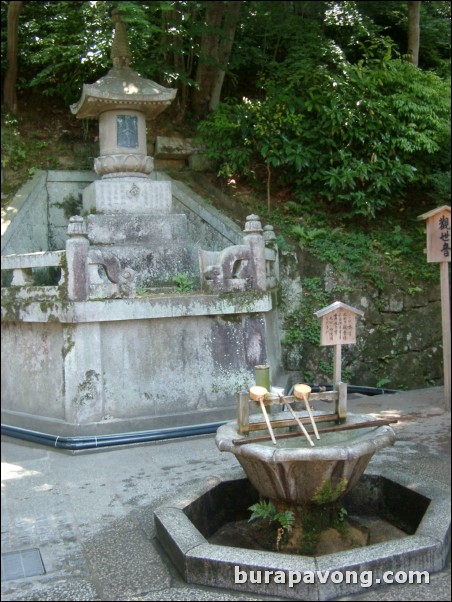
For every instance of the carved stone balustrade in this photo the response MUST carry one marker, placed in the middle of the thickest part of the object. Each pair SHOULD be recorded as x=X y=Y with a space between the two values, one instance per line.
x=23 y=265
x=252 y=265
x=94 y=273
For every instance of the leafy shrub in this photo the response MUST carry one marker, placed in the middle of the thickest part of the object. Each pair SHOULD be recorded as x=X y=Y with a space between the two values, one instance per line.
x=14 y=149
x=353 y=135
x=183 y=283
x=266 y=510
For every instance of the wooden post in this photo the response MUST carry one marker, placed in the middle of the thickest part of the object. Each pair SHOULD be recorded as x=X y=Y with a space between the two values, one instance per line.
x=243 y=412
x=337 y=364
x=438 y=251
x=341 y=403
x=445 y=319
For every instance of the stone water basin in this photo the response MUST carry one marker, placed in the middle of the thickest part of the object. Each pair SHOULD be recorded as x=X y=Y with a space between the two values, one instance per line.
x=187 y=526
x=294 y=472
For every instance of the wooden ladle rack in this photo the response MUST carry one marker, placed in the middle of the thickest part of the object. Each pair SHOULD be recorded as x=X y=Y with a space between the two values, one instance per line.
x=259 y=395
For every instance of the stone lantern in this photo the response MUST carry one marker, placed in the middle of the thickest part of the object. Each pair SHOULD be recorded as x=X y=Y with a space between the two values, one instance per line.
x=129 y=222
x=122 y=101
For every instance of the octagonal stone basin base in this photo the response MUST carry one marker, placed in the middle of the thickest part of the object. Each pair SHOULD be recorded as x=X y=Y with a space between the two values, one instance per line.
x=184 y=525
x=294 y=472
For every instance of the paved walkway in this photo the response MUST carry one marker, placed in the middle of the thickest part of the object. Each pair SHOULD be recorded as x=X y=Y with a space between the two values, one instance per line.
x=90 y=516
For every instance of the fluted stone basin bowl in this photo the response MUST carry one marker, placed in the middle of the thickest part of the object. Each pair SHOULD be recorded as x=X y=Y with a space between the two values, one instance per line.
x=294 y=472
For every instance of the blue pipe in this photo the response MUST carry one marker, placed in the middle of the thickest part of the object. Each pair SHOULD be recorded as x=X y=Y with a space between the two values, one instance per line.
x=100 y=441
x=356 y=389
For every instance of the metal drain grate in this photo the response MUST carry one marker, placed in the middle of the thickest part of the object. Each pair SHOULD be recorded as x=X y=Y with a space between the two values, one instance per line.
x=26 y=563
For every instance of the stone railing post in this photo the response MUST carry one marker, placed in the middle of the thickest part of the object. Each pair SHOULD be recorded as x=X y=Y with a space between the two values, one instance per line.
x=77 y=247
x=252 y=236
x=22 y=277
x=271 y=256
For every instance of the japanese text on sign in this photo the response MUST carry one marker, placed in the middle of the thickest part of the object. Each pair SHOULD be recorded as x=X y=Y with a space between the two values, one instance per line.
x=338 y=328
x=444 y=235
x=438 y=234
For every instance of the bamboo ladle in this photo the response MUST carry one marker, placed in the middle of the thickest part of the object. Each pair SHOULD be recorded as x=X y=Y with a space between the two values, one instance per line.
x=302 y=391
x=258 y=394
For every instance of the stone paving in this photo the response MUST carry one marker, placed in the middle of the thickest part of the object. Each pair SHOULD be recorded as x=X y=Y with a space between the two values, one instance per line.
x=90 y=516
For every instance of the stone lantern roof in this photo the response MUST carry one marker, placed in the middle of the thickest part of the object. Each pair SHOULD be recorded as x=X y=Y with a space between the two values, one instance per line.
x=122 y=87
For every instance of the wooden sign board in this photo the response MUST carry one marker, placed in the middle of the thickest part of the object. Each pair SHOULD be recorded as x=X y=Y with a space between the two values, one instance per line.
x=338 y=325
x=438 y=234
x=438 y=251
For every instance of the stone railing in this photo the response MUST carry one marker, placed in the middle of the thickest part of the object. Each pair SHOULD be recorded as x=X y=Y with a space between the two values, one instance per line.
x=252 y=265
x=92 y=273
x=86 y=273
x=24 y=269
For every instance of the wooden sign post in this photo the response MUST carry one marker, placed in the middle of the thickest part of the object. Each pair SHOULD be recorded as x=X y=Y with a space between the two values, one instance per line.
x=438 y=251
x=338 y=328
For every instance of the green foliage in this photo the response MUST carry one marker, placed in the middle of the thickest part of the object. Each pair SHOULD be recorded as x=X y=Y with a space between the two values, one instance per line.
x=71 y=205
x=306 y=236
x=392 y=19
x=342 y=515
x=183 y=283
x=301 y=326
x=283 y=520
x=328 y=494
x=30 y=142
x=376 y=259
x=267 y=511
x=232 y=142
x=283 y=245
x=354 y=136
x=14 y=149
x=262 y=509
x=65 y=44
x=393 y=246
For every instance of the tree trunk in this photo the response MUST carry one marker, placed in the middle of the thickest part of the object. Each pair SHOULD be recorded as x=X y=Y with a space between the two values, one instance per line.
x=224 y=52
x=178 y=51
x=215 y=50
x=207 y=58
x=414 y=12
x=269 y=184
x=9 y=84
